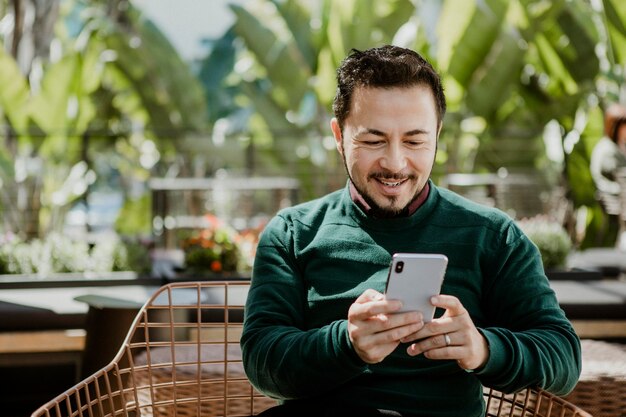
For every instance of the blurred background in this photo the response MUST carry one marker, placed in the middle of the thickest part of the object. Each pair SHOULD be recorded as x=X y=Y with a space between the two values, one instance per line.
x=156 y=137
x=109 y=106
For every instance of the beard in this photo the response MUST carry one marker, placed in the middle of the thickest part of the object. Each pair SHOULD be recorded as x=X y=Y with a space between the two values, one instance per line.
x=390 y=211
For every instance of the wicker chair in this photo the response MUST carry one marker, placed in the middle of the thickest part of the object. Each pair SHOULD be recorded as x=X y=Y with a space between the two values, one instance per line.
x=182 y=358
x=601 y=389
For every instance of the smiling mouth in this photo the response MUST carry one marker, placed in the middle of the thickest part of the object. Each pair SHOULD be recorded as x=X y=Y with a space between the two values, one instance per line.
x=391 y=183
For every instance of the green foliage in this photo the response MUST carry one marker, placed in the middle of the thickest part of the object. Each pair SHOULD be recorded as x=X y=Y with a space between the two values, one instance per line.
x=213 y=249
x=134 y=217
x=117 y=83
x=550 y=237
x=14 y=91
x=509 y=69
x=57 y=253
x=213 y=72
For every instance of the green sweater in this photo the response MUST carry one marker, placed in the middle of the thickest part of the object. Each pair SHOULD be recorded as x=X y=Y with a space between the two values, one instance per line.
x=315 y=259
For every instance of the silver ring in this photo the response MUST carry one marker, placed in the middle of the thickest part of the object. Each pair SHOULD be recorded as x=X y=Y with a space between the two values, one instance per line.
x=447 y=339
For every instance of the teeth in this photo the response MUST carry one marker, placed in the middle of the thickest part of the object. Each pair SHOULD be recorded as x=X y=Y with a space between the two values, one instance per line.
x=390 y=184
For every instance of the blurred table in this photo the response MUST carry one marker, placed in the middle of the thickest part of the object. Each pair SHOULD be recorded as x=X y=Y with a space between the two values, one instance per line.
x=51 y=325
x=597 y=309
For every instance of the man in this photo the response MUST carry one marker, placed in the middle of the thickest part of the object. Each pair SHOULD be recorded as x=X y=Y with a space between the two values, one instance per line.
x=319 y=334
x=609 y=154
x=608 y=163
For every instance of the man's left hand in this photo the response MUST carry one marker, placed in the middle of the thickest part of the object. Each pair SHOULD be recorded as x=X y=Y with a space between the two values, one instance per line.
x=452 y=336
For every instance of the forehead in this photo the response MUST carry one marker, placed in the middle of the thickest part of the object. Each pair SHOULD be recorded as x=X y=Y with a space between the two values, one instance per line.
x=415 y=101
x=418 y=92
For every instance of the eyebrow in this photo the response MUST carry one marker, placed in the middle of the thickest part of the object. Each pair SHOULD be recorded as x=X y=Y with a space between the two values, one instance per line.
x=377 y=132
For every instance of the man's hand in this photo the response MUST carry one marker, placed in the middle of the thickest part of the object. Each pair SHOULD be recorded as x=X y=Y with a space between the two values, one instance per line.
x=452 y=336
x=376 y=328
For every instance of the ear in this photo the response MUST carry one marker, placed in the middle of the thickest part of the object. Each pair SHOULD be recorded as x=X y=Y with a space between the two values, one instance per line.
x=334 y=126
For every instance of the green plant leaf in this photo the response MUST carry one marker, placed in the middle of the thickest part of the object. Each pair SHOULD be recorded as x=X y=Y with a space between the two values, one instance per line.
x=615 y=12
x=289 y=76
x=272 y=113
x=298 y=20
x=14 y=92
x=49 y=108
x=493 y=82
x=578 y=28
x=470 y=46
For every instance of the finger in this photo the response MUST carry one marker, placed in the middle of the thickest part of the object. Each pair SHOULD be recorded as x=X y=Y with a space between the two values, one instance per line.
x=395 y=334
x=411 y=337
x=367 y=326
x=365 y=308
x=374 y=347
x=438 y=327
x=448 y=352
x=456 y=339
x=451 y=304
x=370 y=295
x=385 y=322
x=425 y=345
x=386 y=328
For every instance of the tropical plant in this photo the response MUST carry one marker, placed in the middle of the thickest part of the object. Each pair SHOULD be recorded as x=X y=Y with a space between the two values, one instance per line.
x=525 y=79
x=114 y=83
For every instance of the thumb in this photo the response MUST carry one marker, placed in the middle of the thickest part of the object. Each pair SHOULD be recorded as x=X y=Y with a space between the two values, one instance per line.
x=370 y=295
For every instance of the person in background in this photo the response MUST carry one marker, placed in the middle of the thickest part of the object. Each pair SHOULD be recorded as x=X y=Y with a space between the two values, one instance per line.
x=319 y=334
x=609 y=154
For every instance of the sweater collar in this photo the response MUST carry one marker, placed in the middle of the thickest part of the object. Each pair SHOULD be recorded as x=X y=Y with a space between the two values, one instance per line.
x=396 y=223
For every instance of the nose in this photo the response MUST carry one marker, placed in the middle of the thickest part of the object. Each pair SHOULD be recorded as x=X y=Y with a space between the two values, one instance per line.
x=394 y=159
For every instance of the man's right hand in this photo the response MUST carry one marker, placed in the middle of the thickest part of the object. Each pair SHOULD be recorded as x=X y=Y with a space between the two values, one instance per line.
x=375 y=327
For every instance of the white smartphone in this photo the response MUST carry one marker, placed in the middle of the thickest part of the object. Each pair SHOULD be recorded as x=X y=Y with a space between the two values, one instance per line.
x=414 y=278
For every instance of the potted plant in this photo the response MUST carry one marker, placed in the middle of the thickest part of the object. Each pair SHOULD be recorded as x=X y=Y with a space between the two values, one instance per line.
x=551 y=239
x=218 y=248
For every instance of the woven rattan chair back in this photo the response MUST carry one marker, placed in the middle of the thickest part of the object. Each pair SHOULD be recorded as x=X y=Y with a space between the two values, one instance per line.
x=181 y=358
x=530 y=402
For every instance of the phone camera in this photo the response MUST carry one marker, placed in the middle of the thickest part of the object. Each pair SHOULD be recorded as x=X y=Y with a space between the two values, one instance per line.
x=399 y=266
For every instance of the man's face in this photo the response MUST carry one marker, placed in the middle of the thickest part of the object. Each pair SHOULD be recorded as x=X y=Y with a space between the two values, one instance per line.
x=388 y=144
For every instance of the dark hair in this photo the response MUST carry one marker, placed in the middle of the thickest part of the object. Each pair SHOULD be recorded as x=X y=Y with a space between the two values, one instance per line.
x=385 y=67
x=614 y=117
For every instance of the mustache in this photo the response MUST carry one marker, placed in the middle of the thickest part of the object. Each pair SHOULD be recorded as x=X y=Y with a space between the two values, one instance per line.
x=391 y=176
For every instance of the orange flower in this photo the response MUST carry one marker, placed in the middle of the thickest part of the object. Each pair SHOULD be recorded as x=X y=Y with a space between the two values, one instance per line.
x=214 y=221
x=216 y=266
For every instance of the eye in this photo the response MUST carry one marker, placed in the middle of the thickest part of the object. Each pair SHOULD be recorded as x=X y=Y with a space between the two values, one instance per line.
x=373 y=142
x=414 y=143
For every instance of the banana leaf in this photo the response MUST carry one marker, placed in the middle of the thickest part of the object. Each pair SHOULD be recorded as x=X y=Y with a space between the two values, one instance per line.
x=615 y=13
x=298 y=20
x=473 y=38
x=14 y=92
x=289 y=76
x=492 y=84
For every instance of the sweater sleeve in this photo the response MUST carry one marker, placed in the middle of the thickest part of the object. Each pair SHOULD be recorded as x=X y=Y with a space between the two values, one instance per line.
x=531 y=342
x=282 y=358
